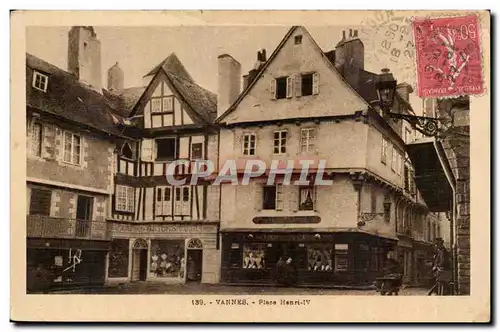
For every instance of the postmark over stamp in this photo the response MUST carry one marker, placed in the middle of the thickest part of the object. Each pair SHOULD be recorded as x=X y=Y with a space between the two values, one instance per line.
x=448 y=56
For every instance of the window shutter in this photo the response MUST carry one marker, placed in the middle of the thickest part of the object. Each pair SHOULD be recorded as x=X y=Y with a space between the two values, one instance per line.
x=293 y=195
x=272 y=88
x=315 y=83
x=289 y=87
x=258 y=196
x=298 y=86
x=147 y=150
x=178 y=200
x=167 y=201
x=279 y=197
x=186 y=205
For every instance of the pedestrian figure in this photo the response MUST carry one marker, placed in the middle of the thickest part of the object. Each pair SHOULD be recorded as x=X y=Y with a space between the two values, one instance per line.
x=280 y=271
x=441 y=268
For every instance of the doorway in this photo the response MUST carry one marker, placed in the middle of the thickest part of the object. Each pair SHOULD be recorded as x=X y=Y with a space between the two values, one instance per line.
x=83 y=215
x=194 y=262
x=140 y=260
x=194 y=265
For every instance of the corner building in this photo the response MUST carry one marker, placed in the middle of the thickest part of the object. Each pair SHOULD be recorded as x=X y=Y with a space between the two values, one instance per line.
x=303 y=103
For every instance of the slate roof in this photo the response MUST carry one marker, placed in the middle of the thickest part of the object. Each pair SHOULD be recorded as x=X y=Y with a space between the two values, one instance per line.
x=124 y=101
x=201 y=101
x=68 y=98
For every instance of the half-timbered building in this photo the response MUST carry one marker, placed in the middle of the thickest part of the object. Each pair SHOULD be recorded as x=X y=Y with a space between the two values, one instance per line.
x=163 y=231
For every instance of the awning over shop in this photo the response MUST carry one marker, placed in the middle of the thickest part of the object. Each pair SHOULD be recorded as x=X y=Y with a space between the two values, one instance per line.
x=431 y=169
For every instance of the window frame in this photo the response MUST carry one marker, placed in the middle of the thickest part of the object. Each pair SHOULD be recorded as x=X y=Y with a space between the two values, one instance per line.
x=128 y=195
x=246 y=150
x=383 y=153
x=278 y=197
x=191 y=150
x=45 y=80
x=284 y=80
x=313 y=197
x=156 y=150
x=40 y=140
x=309 y=141
x=280 y=145
x=302 y=76
x=73 y=135
x=298 y=40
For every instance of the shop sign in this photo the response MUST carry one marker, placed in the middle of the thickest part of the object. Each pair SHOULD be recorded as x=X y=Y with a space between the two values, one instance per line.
x=155 y=228
x=287 y=220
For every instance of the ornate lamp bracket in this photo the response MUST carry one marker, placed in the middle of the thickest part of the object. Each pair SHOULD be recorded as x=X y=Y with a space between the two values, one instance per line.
x=426 y=125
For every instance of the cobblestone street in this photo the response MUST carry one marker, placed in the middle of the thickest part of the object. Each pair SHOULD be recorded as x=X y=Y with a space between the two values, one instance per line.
x=206 y=289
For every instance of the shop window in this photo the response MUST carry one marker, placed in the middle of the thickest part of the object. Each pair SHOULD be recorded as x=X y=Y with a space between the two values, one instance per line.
x=40 y=200
x=320 y=258
x=254 y=256
x=341 y=257
x=118 y=258
x=166 y=148
x=167 y=258
x=306 y=198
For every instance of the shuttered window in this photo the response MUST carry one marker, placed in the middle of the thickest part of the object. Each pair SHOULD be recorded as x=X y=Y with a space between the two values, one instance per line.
x=40 y=201
x=163 y=201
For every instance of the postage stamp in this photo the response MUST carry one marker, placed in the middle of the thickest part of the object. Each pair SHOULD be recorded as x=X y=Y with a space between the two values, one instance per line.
x=448 y=56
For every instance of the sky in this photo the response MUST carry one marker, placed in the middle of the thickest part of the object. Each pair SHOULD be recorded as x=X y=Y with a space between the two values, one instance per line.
x=139 y=49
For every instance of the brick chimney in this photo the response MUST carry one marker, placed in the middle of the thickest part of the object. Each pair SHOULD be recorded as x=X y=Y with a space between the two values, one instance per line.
x=84 y=56
x=229 y=82
x=115 y=78
x=350 y=56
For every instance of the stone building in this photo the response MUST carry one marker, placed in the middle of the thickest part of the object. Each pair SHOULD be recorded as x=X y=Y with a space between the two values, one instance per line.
x=70 y=142
x=305 y=104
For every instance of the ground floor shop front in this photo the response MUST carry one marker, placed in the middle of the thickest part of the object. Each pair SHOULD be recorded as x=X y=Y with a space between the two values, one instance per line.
x=329 y=258
x=65 y=263
x=170 y=253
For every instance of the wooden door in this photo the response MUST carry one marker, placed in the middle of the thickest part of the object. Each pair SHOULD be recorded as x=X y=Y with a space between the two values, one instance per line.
x=136 y=265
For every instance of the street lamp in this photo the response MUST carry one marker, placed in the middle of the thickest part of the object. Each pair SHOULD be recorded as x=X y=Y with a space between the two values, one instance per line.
x=386 y=91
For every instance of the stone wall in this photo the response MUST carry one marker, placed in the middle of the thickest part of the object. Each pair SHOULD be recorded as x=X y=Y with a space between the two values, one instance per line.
x=456 y=143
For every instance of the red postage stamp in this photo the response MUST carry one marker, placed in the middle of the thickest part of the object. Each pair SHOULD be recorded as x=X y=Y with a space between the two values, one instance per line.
x=448 y=56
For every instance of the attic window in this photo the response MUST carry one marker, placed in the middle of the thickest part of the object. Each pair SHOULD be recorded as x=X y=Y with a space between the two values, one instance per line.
x=40 y=81
x=298 y=39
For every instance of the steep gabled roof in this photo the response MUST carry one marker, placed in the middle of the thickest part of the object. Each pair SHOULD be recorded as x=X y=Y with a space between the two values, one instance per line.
x=270 y=60
x=203 y=103
x=172 y=64
x=68 y=98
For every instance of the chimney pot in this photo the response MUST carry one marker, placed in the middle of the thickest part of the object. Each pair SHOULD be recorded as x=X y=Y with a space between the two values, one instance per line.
x=343 y=34
x=355 y=34
x=264 y=58
x=350 y=33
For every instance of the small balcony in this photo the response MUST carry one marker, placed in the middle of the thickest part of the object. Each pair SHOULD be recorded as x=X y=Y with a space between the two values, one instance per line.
x=51 y=227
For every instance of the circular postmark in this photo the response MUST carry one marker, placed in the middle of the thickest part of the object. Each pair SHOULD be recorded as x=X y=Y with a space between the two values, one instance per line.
x=388 y=40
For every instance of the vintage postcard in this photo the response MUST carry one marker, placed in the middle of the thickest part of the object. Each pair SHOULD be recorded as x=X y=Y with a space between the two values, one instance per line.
x=200 y=166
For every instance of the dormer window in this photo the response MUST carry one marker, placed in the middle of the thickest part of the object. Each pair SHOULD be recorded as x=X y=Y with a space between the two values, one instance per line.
x=40 y=81
x=298 y=39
